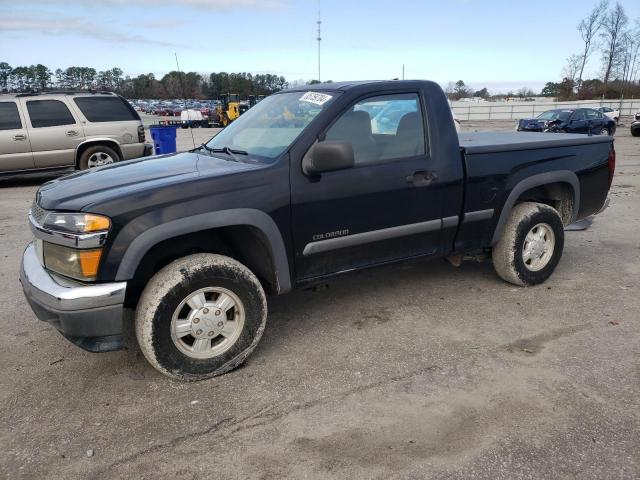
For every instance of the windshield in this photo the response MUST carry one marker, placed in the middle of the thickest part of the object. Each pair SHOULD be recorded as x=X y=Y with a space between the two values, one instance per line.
x=265 y=131
x=555 y=115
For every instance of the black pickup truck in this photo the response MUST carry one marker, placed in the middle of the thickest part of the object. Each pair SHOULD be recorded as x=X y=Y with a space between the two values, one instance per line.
x=308 y=184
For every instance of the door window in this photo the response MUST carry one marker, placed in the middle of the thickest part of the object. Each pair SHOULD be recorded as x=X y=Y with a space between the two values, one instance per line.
x=9 y=116
x=49 y=113
x=593 y=115
x=382 y=128
x=578 y=115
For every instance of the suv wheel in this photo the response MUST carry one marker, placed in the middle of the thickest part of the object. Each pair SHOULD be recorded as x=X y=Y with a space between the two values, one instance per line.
x=605 y=131
x=531 y=244
x=200 y=316
x=97 y=156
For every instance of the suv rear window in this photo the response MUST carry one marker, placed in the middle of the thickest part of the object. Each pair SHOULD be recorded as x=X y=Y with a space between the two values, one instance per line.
x=105 y=109
x=49 y=113
x=9 y=116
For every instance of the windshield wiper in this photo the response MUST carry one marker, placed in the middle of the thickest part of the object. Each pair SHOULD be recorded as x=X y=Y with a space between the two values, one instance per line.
x=205 y=147
x=232 y=152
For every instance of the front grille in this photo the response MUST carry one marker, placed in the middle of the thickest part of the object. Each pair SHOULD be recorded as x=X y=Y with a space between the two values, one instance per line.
x=38 y=213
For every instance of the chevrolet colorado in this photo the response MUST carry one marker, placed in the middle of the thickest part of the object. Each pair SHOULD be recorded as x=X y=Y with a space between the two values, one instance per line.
x=308 y=184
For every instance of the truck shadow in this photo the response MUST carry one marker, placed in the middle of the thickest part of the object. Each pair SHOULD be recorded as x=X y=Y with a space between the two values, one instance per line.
x=370 y=297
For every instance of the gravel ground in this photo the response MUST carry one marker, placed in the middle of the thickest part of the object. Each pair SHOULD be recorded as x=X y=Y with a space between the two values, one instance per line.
x=411 y=371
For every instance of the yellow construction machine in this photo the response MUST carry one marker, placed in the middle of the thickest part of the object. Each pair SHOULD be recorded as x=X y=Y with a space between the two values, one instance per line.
x=228 y=109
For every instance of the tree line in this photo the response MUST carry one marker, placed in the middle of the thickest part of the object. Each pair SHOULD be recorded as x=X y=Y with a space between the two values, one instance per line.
x=172 y=85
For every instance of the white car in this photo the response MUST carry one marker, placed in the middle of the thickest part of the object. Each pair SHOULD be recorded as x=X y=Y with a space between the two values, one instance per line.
x=610 y=112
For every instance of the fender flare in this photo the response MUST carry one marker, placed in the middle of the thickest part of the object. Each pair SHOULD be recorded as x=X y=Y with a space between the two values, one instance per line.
x=139 y=247
x=559 y=176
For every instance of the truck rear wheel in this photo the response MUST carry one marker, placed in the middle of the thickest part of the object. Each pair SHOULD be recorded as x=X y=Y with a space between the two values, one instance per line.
x=531 y=244
x=200 y=316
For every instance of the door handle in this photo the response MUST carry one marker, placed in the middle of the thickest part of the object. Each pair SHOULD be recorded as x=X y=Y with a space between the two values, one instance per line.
x=72 y=133
x=422 y=178
x=19 y=137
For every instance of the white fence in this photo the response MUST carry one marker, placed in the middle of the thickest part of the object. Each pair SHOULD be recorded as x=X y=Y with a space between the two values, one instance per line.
x=517 y=110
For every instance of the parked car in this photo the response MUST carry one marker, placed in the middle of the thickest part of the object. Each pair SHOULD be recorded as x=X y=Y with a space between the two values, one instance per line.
x=175 y=110
x=42 y=131
x=300 y=188
x=580 y=120
x=635 y=125
x=613 y=114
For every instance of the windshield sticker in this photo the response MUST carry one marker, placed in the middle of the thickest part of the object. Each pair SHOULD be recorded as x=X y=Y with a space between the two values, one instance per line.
x=316 y=98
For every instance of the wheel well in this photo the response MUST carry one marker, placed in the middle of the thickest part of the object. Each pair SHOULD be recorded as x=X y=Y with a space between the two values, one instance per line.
x=107 y=143
x=557 y=195
x=244 y=243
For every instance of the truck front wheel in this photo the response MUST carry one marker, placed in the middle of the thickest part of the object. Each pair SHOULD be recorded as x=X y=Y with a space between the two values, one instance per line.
x=531 y=244
x=200 y=316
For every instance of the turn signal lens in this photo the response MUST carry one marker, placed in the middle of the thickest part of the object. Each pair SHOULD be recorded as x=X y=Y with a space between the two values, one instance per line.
x=76 y=222
x=96 y=223
x=89 y=262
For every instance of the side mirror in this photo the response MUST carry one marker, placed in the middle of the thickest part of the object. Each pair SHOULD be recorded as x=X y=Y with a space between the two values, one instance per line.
x=328 y=156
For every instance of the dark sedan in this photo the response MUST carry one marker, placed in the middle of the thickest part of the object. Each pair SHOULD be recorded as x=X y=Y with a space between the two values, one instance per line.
x=635 y=126
x=579 y=120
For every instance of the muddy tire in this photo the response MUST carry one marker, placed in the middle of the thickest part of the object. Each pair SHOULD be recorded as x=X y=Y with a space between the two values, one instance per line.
x=200 y=316
x=531 y=244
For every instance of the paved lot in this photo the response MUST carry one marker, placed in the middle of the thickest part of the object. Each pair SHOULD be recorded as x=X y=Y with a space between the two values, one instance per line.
x=412 y=371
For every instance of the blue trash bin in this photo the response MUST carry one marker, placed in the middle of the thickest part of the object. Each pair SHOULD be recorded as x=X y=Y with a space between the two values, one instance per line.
x=164 y=138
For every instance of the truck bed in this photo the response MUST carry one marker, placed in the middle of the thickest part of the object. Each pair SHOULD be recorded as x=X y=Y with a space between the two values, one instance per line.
x=499 y=163
x=490 y=142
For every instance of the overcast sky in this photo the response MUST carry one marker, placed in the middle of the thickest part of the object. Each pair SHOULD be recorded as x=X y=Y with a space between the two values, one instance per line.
x=491 y=43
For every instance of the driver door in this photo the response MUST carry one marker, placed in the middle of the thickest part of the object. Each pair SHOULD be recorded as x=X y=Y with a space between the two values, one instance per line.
x=385 y=208
x=578 y=122
x=596 y=121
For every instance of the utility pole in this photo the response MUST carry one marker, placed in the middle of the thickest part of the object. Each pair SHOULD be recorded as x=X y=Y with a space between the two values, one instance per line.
x=319 y=22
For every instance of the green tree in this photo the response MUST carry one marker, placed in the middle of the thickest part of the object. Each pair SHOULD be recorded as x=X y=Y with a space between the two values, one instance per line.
x=550 y=90
x=42 y=76
x=566 y=88
x=5 y=73
x=460 y=90
x=483 y=93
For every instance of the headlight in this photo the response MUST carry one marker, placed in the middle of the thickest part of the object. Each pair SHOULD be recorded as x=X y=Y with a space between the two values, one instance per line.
x=76 y=222
x=71 y=243
x=79 y=264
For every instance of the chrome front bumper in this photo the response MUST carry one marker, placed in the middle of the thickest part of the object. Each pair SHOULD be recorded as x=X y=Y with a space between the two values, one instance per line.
x=90 y=315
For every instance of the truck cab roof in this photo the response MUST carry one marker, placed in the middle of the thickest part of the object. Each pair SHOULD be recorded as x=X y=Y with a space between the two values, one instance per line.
x=364 y=84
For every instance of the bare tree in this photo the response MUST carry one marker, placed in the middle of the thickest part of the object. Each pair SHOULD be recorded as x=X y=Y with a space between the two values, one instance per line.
x=613 y=28
x=630 y=50
x=635 y=57
x=589 y=28
x=573 y=68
